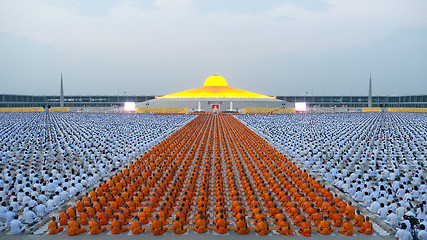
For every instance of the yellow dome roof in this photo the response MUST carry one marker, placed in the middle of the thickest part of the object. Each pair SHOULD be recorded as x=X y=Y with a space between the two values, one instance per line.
x=215 y=87
x=215 y=81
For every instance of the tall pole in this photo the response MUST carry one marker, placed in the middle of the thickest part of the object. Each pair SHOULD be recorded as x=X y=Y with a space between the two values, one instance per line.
x=370 y=91
x=61 y=96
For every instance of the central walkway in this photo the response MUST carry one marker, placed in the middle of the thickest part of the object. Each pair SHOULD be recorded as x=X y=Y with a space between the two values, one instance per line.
x=204 y=178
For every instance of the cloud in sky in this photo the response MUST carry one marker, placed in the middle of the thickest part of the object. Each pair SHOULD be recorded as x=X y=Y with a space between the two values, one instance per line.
x=164 y=46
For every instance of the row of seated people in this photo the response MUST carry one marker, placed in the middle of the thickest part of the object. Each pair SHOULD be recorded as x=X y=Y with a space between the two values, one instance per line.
x=263 y=187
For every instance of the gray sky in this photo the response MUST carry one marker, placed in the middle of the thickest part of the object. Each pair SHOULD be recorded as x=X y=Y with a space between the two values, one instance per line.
x=165 y=46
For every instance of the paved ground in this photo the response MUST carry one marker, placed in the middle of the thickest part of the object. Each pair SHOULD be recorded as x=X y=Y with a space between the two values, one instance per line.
x=191 y=235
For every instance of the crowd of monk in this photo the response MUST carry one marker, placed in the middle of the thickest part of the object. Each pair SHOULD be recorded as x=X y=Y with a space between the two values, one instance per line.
x=214 y=173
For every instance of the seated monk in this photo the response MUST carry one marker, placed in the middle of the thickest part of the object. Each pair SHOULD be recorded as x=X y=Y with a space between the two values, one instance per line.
x=122 y=218
x=221 y=225
x=358 y=219
x=366 y=227
x=136 y=227
x=349 y=211
x=305 y=228
x=143 y=218
x=71 y=211
x=336 y=220
x=116 y=226
x=74 y=227
x=163 y=216
x=157 y=226
x=347 y=228
x=177 y=227
x=262 y=227
x=324 y=227
x=53 y=227
x=298 y=219
x=316 y=217
x=182 y=216
x=241 y=226
x=84 y=218
x=80 y=206
x=95 y=227
x=284 y=228
x=201 y=225
x=63 y=218
x=102 y=218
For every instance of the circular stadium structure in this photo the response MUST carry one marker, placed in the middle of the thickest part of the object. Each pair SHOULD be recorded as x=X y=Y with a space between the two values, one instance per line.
x=214 y=96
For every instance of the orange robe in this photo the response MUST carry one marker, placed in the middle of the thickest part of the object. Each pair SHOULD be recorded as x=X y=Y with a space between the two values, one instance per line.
x=305 y=229
x=84 y=219
x=136 y=228
x=95 y=228
x=366 y=228
x=116 y=227
x=284 y=228
x=241 y=227
x=157 y=227
x=324 y=228
x=262 y=228
x=63 y=219
x=74 y=228
x=178 y=228
x=53 y=228
x=347 y=229
x=221 y=226
x=358 y=220
x=201 y=226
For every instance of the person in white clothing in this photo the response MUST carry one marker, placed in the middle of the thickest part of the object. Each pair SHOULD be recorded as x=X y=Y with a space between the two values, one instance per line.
x=422 y=234
x=16 y=226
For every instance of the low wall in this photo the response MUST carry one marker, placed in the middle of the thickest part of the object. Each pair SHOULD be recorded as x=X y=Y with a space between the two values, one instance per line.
x=16 y=110
x=162 y=110
x=417 y=110
x=267 y=110
x=59 y=109
x=372 y=109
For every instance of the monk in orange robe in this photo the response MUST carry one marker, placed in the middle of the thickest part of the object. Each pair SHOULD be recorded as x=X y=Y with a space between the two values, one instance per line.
x=136 y=227
x=95 y=227
x=116 y=226
x=143 y=218
x=349 y=211
x=347 y=228
x=177 y=227
x=103 y=218
x=157 y=226
x=358 y=219
x=53 y=227
x=262 y=227
x=74 y=228
x=79 y=206
x=284 y=228
x=336 y=220
x=201 y=224
x=221 y=225
x=324 y=227
x=366 y=227
x=63 y=218
x=71 y=211
x=241 y=226
x=84 y=218
x=305 y=228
